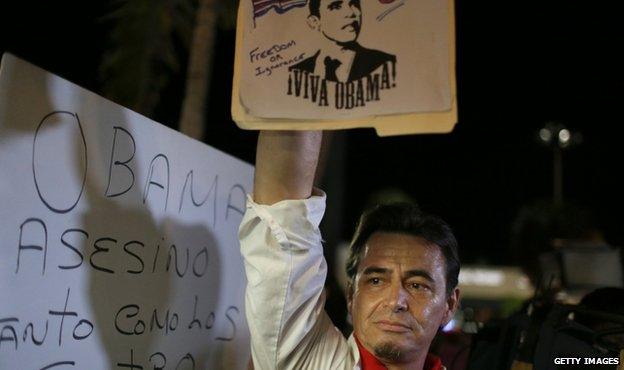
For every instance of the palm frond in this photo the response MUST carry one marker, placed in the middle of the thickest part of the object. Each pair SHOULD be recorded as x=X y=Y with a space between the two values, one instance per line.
x=142 y=55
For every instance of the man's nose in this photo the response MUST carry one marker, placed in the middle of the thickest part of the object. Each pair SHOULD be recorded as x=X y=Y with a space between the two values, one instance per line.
x=352 y=11
x=398 y=298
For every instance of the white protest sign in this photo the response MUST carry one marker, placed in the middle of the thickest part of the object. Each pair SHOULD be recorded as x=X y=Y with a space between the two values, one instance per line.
x=118 y=236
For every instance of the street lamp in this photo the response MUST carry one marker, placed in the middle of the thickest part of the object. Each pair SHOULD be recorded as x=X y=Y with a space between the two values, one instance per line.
x=558 y=138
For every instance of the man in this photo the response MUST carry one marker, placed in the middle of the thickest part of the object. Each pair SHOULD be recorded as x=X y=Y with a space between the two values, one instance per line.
x=340 y=58
x=403 y=269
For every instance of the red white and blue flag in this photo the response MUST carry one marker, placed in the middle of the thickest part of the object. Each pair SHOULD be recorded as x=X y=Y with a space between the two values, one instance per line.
x=261 y=7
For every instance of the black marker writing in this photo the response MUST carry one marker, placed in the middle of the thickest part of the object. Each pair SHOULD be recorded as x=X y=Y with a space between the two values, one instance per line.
x=126 y=246
x=213 y=190
x=130 y=365
x=160 y=357
x=99 y=249
x=173 y=254
x=43 y=247
x=148 y=184
x=116 y=163
x=71 y=247
x=159 y=361
x=278 y=63
x=35 y=159
x=195 y=321
x=60 y=363
x=8 y=334
x=81 y=329
x=62 y=314
x=240 y=209
x=272 y=51
x=187 y=358
x=202 y=258
x=36 y=341
x=230 y=311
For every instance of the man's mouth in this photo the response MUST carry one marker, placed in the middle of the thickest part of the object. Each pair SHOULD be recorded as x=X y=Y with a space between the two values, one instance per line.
x=392 y=326
x=353 y=25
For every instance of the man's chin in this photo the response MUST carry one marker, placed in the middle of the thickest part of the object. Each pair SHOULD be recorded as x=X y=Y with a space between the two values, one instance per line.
x=343 y=38
x=350 y=38
x=348 y=44
x=394 y=347
x=389 y=351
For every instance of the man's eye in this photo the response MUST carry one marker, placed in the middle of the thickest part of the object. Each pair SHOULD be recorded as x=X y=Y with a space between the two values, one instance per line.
x=374 y=281
x=335 y=5
x=418 y=286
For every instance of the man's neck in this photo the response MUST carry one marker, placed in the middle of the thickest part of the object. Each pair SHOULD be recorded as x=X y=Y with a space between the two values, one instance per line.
x=412 y=365
x=417 y=362
x=338 y=52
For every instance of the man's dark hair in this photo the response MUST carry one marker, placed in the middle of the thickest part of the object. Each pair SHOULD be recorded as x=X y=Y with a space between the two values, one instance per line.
x=405 y=218
x=315 y=6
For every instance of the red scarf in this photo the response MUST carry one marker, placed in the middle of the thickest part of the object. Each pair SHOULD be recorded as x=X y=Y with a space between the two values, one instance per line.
x=370 y=362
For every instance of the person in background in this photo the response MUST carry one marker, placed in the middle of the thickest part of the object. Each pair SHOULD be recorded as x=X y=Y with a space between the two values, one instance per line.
x=607 y=300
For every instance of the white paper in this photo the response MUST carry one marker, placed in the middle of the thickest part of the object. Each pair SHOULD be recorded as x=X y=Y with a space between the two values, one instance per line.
x=96 y=201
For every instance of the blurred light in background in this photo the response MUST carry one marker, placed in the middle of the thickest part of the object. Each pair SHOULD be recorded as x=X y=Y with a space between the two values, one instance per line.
x=489 y=282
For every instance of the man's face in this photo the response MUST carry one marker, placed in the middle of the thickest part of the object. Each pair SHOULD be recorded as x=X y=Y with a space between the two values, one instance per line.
x=340 y=20
x=399 y=298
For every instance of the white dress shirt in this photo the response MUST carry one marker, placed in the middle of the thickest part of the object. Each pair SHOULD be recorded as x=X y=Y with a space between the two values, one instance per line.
x=282 y=248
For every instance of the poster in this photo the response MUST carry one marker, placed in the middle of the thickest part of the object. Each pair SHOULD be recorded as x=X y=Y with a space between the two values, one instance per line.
x=342 y=62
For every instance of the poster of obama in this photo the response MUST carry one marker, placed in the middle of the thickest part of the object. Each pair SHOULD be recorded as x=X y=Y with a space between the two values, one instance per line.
x=333 y=59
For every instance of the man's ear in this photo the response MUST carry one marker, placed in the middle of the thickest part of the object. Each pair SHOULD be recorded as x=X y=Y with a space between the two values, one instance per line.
x=314 y=22
x=452 y=304
x=349 y=295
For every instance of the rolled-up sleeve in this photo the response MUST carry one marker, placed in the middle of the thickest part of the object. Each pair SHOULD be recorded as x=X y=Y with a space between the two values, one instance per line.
x=282 y=250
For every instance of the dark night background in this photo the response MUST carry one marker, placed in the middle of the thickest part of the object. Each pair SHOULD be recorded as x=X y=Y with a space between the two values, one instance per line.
x=520 y=64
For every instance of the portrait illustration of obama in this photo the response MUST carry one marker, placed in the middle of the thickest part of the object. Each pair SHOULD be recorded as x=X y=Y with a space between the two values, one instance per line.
x=341 y=58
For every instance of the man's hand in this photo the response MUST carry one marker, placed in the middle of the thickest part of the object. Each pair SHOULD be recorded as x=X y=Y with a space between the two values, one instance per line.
x=285 y=165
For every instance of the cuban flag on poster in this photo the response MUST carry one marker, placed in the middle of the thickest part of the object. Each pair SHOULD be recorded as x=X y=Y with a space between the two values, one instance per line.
x=261 y=7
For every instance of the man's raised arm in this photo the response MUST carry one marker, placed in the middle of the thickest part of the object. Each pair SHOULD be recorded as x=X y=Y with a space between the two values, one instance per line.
x=285 y=165
x=282 y=248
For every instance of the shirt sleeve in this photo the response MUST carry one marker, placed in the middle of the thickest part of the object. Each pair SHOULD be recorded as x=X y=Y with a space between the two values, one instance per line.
x=282 y=250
